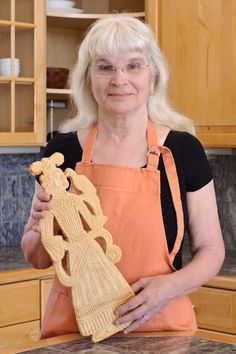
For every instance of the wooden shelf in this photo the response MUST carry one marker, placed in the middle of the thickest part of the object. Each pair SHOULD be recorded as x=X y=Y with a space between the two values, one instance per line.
x=58 y=91
x=70 y=20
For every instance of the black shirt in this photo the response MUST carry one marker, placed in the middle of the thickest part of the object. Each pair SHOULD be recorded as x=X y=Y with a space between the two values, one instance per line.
x=192 y=166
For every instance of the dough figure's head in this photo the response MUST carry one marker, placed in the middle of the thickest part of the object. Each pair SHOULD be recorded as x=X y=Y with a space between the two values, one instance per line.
x=52 y=178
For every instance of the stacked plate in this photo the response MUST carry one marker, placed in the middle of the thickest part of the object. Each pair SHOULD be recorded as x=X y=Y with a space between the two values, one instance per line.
x=5 y=67
x=60 y=4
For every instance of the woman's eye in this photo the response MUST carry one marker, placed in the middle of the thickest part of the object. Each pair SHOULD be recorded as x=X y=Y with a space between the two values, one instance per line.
x=133 y=67
x=105 y=68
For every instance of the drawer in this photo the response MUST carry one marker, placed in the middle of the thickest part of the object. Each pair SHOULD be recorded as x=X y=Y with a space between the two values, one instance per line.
x=19 y=302
x=215 y=309
x=24 y=333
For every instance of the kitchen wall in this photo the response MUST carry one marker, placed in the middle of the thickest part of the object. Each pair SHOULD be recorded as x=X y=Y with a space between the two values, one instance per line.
x=17 y=185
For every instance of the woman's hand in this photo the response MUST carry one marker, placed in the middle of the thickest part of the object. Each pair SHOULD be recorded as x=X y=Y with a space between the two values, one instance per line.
x=152 y=295
x=40 y=204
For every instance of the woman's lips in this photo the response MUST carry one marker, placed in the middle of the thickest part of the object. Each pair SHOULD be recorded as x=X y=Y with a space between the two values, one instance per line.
x=119 y=94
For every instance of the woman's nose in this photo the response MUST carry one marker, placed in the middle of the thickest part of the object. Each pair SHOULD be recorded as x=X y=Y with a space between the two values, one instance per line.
x=119 y=77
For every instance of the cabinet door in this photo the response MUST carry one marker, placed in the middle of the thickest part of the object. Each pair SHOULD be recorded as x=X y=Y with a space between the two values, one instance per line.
x=22 y=86
x=23 y=333
x=19 y=302
x=215 y=309
x=198 y=39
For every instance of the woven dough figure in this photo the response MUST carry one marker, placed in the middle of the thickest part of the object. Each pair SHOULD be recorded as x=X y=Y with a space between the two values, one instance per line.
x=98 y=288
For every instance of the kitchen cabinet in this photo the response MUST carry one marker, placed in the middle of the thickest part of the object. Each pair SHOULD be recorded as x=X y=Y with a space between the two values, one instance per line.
x=45 y=288
x=22 y=97
x=198 y=40
x=215 y=305
x=22 y=298
x=65 y=31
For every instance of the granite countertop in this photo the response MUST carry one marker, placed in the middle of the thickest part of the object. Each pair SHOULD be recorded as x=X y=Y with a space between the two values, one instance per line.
x=11 y=258
x=140 y=345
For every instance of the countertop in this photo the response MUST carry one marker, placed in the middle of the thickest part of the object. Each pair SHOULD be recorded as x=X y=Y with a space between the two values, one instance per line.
x=11 y=258
x=147 y=344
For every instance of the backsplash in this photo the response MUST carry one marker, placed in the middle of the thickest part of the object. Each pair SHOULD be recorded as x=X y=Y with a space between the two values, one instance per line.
x=17 y=187
x=224 y=173
x=16 y=191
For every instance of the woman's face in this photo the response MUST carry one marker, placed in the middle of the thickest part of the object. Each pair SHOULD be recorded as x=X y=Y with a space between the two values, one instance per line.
x=121 y=84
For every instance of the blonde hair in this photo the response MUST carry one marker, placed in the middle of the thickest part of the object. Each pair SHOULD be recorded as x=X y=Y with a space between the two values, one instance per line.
x=108 y=36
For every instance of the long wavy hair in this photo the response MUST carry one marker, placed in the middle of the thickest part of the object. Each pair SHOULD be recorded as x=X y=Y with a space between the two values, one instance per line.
x=108 y=36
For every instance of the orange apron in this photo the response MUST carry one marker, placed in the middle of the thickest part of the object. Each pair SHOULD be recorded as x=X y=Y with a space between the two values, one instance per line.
x=130 y=198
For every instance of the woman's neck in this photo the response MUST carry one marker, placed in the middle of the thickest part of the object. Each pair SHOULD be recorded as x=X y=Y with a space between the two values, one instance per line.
x=121 y=128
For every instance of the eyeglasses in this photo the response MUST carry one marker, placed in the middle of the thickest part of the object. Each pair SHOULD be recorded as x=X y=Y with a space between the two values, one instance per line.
x=130 y=69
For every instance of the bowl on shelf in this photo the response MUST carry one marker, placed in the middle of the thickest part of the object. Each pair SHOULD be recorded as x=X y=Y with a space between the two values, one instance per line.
x=60 y=4
x=5 y=66
x=57 y=77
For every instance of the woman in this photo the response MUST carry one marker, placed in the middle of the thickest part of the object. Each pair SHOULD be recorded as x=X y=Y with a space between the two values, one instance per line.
x=150 y=172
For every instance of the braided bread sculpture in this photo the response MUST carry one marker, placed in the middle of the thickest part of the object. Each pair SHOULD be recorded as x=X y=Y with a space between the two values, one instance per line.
x=98 y=288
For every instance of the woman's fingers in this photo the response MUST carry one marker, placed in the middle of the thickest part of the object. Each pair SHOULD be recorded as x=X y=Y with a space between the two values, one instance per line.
x=41 y=203
x=152 y=295
x=36 y=228
x=141 y=320
x=43 y=196
x=140 y=284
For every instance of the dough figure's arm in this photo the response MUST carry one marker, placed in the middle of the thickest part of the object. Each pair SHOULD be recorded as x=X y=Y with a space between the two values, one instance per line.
x=113 y=252
x=89 y=195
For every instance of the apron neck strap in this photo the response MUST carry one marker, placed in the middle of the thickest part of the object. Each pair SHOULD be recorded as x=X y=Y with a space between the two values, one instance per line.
x=153 y=153
x=89 y=144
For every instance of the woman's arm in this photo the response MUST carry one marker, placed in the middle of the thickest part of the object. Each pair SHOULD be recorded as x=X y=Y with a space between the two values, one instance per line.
x=31 y=244
x=205 y=240
x=207 y=248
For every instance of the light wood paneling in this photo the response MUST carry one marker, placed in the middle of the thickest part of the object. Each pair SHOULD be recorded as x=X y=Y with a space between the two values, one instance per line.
x=62 y=47
x=215 y=309
x=152 y=16
x=19 y=275
x=198 y=39
x=21 y=334
x=19 y=302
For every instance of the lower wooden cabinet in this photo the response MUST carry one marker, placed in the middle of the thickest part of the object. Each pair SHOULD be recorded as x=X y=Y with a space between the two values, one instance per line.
x=22 y=333
x=215 y=308
x=19 y=302
x=23 y=296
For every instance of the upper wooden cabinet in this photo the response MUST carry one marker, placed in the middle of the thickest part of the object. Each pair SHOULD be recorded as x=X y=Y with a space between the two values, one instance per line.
x=198 y=39
x=22 y=95
x=196 y=36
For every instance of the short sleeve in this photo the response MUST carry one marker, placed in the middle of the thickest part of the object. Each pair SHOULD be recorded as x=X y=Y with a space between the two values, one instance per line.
x=198 y=171
x=68 y=145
